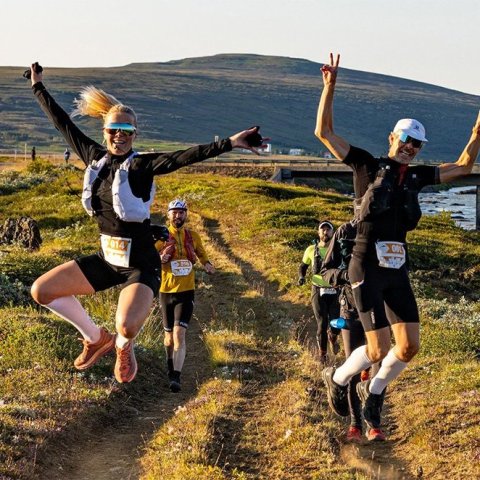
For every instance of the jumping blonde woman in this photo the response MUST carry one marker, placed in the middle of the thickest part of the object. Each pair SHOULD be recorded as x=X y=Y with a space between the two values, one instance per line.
x=118 y=190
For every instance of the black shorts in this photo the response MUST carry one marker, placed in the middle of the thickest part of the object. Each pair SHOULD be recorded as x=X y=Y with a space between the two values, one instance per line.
x=177 y=309
x=103 y=275
x=385 y=298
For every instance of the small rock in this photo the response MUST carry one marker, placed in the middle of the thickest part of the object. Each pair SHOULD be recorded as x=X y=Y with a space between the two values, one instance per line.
x=23 y=231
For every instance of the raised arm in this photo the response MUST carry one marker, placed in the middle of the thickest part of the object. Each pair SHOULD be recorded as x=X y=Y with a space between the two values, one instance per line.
x=83 y=146
x=464 y=164
x=324 y=127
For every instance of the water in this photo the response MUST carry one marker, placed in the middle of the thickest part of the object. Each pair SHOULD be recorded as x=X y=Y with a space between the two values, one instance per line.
x=460 y=201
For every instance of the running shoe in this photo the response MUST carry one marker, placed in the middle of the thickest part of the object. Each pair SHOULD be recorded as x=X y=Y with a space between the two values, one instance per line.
x=174 y=378
x=126 y=364
x=364 y=375
x=333 y=340
x=354 y=434
x=336 y=394
x=323 y=357
x=175 y=386
x=372 y=404
x=92 y=352
x=375 y=435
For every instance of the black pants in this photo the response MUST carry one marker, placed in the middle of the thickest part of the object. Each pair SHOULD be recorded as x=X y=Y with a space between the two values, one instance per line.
x=325 y=308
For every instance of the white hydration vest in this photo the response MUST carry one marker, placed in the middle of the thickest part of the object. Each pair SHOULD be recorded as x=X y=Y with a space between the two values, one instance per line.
x=126 y=205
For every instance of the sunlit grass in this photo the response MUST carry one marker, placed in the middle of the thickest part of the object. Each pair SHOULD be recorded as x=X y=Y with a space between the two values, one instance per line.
x=263 y=374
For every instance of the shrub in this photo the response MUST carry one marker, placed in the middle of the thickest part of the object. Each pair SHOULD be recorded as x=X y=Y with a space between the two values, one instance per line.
x=451 y=329
x=13 y=292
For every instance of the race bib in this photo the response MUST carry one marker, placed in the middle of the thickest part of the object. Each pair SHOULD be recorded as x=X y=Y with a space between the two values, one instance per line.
x=181 y=268
x=116 y=250
x=327 y=291
x=390 y=254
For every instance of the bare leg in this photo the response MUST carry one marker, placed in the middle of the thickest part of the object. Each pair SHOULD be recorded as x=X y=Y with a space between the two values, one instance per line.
x=407 y=340
x=62 y=281
x=133 y=308
x=179 y=347
x=378 y=344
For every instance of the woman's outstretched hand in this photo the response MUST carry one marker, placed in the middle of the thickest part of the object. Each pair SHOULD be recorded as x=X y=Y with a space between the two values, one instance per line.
x=249 y=140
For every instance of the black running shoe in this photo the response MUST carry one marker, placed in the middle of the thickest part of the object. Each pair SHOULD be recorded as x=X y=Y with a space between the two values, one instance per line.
x=175 y=386
x=333 y=341
x=372 y=404
x=336 y=394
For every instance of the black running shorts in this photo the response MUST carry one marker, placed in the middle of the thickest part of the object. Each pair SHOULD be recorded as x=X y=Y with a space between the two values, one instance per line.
x=385 y=298
x=177 y=309
x=103 y=275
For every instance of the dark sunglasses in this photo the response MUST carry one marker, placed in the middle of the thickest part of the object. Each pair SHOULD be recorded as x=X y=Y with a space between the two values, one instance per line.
x=125 y=128
x=404 y=138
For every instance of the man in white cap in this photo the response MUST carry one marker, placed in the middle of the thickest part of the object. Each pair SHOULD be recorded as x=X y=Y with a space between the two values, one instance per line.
x=386 y=191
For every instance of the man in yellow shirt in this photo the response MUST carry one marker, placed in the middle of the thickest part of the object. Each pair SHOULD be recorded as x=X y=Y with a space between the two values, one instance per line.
x=178 y=254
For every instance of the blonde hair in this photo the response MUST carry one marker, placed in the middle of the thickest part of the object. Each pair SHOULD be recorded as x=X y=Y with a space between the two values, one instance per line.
x=94 y=102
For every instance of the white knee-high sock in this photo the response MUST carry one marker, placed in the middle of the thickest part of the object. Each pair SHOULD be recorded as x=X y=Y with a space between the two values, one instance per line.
x=179 y=357
x=70 y=309
x=355 y=363
x=390 y=369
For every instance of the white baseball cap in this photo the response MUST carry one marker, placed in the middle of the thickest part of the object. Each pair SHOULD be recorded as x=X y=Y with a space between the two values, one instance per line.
x=325 y=223
x=177 y=204
x=411 y=127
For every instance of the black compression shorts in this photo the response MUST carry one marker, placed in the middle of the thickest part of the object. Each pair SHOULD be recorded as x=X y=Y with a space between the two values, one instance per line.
x=103 y=275
x=385 y=298
x=177 y=309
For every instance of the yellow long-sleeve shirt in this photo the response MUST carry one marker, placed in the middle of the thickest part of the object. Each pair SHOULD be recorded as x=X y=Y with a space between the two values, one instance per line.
x=173 y=279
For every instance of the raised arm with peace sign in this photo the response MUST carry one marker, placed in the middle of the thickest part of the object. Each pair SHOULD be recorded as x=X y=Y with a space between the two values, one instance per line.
x=324 y=128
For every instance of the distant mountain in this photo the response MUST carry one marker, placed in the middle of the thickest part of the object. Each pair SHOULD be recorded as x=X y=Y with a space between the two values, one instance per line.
x=192 y=100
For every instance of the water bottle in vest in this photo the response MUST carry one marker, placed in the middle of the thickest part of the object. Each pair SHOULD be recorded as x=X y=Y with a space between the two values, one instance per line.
x=339 y=323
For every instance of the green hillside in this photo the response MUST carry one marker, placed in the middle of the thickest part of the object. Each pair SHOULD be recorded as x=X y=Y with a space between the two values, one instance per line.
x=191 y=100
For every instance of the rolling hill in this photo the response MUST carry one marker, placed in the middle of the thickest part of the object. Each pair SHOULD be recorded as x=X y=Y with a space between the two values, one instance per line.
x=193 y=99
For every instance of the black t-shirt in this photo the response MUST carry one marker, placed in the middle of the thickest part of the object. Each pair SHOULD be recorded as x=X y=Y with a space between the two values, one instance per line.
x=392 y=224
x=142 y=170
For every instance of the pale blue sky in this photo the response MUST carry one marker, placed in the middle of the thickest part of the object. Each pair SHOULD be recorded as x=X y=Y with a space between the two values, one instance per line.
x=433 y=41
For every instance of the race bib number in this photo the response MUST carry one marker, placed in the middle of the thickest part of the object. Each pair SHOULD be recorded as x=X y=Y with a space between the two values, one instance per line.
x=116 y=250
x=390 y=254
x=181 y=268
x=327 y=291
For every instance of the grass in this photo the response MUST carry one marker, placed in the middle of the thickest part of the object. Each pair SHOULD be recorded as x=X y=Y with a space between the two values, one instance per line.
x=265 y=414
